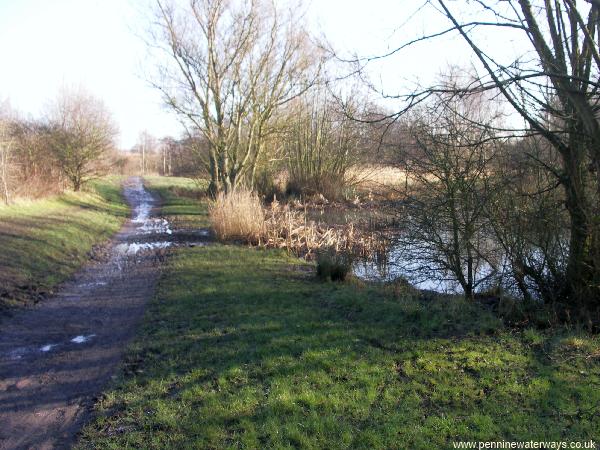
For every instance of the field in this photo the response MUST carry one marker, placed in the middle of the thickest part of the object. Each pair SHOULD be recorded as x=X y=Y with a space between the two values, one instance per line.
x=43 y=242
x=244 y=348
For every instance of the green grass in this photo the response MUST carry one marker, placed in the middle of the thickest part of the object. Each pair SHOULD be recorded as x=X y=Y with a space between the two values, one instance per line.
x=243 y=348
x=180 y=197
x=43 y=242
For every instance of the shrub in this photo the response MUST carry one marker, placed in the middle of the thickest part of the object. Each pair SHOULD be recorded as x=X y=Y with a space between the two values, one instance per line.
x=237 y=215
x=333 y=265
x=332 y=186
x=270 y=185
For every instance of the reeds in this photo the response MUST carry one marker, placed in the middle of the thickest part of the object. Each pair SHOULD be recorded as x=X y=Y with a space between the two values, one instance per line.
x=237 y=216
x=240 y=216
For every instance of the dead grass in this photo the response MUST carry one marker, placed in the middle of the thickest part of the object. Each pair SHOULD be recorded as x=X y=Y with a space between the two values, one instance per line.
x=378 y=176
x=241 y=216
x=288 y=228
x=237 y=215
x=385 y=182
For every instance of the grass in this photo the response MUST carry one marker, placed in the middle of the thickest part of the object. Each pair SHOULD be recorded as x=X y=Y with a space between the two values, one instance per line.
x=243 y=348
x=181 y=200
x=43 y=242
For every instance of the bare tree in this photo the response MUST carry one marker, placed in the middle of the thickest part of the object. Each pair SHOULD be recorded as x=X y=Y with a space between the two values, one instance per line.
x=558 y=98
x=80 y=131
x=554 y=87
x=231 y=65
x=450 y=185
x=35 y=172
x=167 y=148
x=529 y=219
x=146 y=146
x=321 y=143
x=6 y=160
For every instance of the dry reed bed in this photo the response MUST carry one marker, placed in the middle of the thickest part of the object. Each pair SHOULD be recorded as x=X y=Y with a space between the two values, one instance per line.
x=241 y=216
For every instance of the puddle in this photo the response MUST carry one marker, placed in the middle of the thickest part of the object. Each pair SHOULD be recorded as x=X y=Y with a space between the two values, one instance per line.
x=144 y=202
x=48 y=347
x=155 y=226
x=18 y=353
x=142 y=212
x=136 y=247
x=93 y=284
x=82 y=339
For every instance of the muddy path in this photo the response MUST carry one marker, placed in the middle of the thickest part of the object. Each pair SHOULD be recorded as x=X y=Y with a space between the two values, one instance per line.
x=56 y=357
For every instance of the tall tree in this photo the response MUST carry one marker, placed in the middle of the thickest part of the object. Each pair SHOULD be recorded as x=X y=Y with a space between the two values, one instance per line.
x=557 y=96
x=230 y=66
x=6 y=144
x=553 y=86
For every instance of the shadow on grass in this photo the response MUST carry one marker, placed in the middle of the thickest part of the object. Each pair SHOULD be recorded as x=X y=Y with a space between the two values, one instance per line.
x=104 y=208
x=241 y=349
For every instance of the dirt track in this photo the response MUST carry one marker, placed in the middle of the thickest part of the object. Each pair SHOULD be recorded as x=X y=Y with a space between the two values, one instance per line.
x=56 y=357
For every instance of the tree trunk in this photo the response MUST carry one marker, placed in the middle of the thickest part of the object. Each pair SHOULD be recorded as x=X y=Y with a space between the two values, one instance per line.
x=214 y=186
x=579 y=273
x=4 y=176
x=469 y=291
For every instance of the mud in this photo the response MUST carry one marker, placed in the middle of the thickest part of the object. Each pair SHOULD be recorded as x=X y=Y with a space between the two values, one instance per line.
x=56 y=357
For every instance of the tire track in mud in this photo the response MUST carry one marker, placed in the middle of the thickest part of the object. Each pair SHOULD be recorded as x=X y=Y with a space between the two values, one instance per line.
x=56 y=357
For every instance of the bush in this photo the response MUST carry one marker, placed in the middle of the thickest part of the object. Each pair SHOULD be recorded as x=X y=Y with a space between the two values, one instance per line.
x=270 y=185
x=334 y=266
x=237 y=215
x=332 y=186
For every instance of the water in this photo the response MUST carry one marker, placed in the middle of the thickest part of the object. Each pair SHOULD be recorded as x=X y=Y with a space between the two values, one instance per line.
x=413 y=263
x=47 y=347
x=133 y=248
x=81 y=339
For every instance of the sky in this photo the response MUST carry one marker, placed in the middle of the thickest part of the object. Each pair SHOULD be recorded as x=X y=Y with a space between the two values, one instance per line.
x=46 y=45
x=96 y=44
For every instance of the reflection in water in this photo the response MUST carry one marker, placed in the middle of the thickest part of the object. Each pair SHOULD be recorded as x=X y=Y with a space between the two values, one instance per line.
x=48 y=347
x=408 y=262
x=411 y=263
x=394 y=264
x=82 y=339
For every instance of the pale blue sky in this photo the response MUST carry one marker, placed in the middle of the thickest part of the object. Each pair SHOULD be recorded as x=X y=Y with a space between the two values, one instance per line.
x=46 y=44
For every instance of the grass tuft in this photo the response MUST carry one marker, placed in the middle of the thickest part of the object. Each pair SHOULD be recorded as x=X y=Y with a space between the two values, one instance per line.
x=237 y=215
x=334 y=266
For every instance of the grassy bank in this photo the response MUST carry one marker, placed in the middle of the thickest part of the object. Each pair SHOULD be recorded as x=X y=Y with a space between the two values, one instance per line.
x=242 y=348
x=43 y=242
